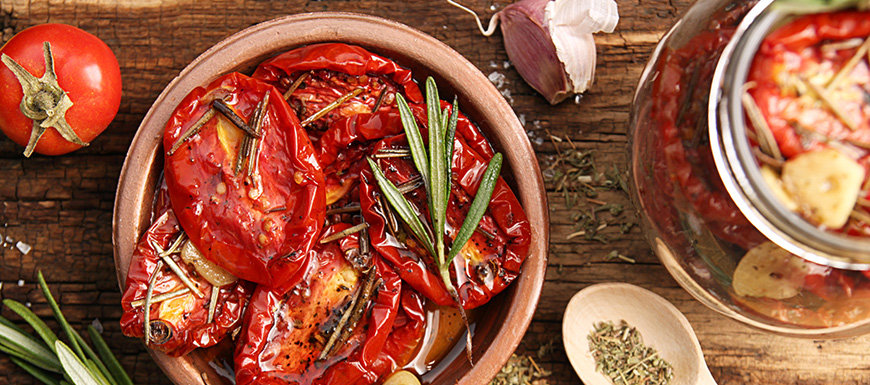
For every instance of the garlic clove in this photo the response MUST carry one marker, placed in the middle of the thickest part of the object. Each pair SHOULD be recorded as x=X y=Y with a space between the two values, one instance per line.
x=769 y=271
x=588 y=16
x=825 y=185
x=550 y=42
x=571 y=24
x=531 y=50
x=576 y=51
x=209 y=270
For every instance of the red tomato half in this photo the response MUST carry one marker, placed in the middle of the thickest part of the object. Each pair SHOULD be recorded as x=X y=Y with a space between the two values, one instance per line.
x=260 y=226
x=283 y=336
x=186 y=316
x=86 y=69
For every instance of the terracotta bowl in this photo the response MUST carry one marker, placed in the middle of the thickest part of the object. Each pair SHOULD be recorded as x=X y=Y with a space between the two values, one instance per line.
x=507 y=317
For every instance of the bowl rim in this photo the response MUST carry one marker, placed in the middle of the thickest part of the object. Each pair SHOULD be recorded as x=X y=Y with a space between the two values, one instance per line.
x=133 y=189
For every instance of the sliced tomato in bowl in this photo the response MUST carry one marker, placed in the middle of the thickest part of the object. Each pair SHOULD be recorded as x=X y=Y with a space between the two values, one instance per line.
x=252 y=205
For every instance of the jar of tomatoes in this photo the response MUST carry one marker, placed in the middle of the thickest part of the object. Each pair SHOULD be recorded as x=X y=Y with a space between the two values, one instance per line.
x=750 y=162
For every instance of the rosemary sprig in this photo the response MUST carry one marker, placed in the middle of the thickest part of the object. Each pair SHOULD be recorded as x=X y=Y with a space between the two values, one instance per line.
x=435 y=169
x=50 y=357
x=478 y=206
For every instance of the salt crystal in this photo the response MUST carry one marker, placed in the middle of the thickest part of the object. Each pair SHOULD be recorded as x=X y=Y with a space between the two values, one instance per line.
x=27 y=304
x=493 y=7
x=507 y=95
x=10 y=239
x=20 y=282
x=23 y=247
x=97 y=325
x=522 y=119
x=577 y=98
x=496 y=78
x=506 y=64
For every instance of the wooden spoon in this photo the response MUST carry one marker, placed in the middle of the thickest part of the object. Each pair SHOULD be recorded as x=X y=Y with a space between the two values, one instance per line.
x=660 y=324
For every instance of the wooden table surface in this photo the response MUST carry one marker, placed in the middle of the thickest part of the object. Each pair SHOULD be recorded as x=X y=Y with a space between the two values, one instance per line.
x=62 y=206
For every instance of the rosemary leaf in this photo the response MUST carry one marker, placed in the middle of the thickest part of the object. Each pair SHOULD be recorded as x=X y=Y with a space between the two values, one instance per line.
x=415 y=140
x=68 y=330
x=26 y=348
x=4 y=321
x=192 y=130
x=75 y=369
x=448 y=148
x=98 y=368
x=478 y=206
x=438 y=181
x=451 y=131
x=37 y=324
x=37 y=373
x=105 y=353
x=295 y=85
x=221 y=106
x=433 y=107
x=331 y=106
x=402 y=207
x=94 y=371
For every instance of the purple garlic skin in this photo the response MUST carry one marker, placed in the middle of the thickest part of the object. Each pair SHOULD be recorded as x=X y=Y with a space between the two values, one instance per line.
x=531 y=50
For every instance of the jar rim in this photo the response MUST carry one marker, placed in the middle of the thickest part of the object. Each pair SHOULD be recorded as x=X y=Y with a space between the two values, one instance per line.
x=737 y=166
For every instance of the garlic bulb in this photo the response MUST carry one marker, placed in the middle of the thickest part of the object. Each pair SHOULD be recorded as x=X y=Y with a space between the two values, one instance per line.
x=550 y=42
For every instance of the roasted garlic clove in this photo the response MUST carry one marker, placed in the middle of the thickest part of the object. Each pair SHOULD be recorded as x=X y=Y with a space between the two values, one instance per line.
x=769 y=271
x=213 y=273
x=824 y=184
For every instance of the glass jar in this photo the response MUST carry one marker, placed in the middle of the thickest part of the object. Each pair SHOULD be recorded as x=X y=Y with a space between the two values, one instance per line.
x=708 y=213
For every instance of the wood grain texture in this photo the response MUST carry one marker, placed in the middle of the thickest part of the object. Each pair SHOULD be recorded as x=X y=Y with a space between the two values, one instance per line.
x=63 y=205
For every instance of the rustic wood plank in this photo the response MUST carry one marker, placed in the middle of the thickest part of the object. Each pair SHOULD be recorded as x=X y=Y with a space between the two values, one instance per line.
x=63 y=205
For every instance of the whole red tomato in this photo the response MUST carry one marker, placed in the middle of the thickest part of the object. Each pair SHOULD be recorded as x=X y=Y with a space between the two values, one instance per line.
x=86 y=71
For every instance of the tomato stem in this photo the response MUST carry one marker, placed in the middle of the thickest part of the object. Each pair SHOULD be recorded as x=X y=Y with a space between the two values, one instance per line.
x=43 y=100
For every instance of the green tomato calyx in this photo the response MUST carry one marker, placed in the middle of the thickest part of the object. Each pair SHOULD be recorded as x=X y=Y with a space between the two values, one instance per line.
x=44 y=101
